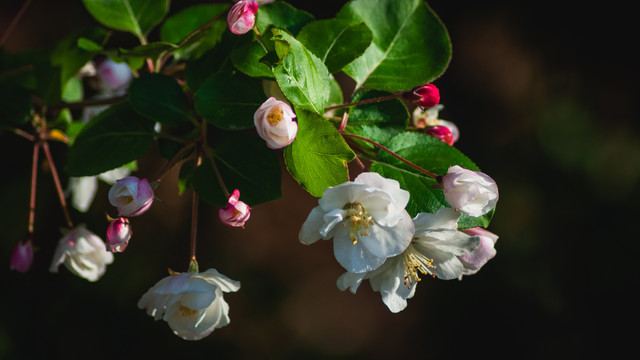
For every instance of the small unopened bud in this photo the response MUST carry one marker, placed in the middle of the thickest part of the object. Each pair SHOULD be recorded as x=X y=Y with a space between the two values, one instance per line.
x=472 y=192
x=242 y=16
x=22 y=255
x=118 y=235
x=441 y=132
x=236 y=213
x=425 y=96
x=132 y=196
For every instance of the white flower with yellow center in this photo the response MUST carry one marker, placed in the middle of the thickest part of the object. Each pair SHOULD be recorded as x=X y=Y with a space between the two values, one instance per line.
x=366 y=219
x=192 y=303
x=433 y=251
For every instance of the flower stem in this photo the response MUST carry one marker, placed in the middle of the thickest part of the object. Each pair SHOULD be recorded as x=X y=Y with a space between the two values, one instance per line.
x=424 y=171
x=32 y=197
x=194 y=227
x=56 y=180
x=260 y=39
x=174 y=160
x=14 y=22
x=366 y=101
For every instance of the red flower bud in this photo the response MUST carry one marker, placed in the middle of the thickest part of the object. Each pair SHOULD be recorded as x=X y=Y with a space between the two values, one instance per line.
x=242 y=16
x=441 y=132
x=425 y=96
x=118 y=235
x=236 y=213
x=22 y=255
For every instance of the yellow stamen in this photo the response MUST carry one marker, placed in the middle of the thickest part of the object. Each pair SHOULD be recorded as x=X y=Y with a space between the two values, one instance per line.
x=187 y=312
x=358 y=221
x=414 y=260
x=274 y=116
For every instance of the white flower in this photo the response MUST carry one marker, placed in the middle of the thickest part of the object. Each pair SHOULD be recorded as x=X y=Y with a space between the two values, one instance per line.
x=83 y=189
x=366 y=219
x=472 y=192
x=83 y=253
x=434 y=251
x=274 y=123
x=192 y=303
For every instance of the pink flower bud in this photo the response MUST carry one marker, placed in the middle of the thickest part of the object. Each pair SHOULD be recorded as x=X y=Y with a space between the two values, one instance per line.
x=118 y=235
x=131 y=196
x=22 y=255
x=236 y=213
x=242 y=16
x=441 y=132
x=274 y=122
x=472 y=192
x=426 y=95
x=474 y=260
x=112 y=76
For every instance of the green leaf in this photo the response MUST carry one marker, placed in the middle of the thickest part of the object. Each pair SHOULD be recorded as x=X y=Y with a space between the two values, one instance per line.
x=69 y=57
x=48 y=85
x=113 y=138
x=378 y=121
x=214 y=61
x=89 y=45
x=245 y=163
x=177 y=27
x=246 y=58
x=430 y=154
x=410 y=45
x=159 y=97
x=184 y=29
x=281 y=15
x=318 y=157
x=134 y=16
x=15 y=103
x=229 y=101
x=337 y=42
x=152 y=50
x=303 y=78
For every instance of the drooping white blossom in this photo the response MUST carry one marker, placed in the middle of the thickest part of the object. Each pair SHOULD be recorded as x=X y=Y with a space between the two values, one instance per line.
x=434 y=251
x=366 y=219
x=191 y=303
x=472 y=192
x=132 y=196
x=83 y=253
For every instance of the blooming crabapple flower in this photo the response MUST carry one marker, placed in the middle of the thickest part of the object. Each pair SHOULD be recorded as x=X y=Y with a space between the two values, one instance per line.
x=83 y=189
x=441 y=132
x=118 y=235
x=236 y=213
x=83 y=253
x=192 y=303
x=434 y=250
x=472 y=192
x=242 y=16
x=274 y=122
x=426 y=95
x=131 y=196
x=423 y=118
x=112 y=77
x=21 y=257
x=473 y=261
x=366 y=219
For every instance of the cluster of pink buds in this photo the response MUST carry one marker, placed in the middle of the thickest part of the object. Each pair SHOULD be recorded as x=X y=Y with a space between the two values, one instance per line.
x=132 y=197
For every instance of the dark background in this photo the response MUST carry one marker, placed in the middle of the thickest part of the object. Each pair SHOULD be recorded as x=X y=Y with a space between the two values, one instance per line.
x=545 y=96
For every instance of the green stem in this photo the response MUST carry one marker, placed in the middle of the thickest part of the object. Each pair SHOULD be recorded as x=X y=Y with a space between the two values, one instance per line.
x=366 y=101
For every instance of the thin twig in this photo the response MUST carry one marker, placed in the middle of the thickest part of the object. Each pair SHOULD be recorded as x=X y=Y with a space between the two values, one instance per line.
x=424 y=171
x=366 y=101
x=174 y=160
x=14 y=22
x=32 y=197
x=56 y=180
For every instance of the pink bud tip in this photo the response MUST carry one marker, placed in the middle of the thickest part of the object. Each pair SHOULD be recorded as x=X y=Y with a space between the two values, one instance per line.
x=22 y=256
x=118 y=234
x=441 y=132
x=242 y=16
x=236 y=213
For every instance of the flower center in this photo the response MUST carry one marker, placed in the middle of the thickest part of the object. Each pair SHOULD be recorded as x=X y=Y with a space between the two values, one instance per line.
x=186 y=311
x=128 y=199
x=358 y=221
x=274 y=116
x=414 y=260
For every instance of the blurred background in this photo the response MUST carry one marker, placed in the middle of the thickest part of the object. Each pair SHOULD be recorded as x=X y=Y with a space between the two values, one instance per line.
x=546 y=99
